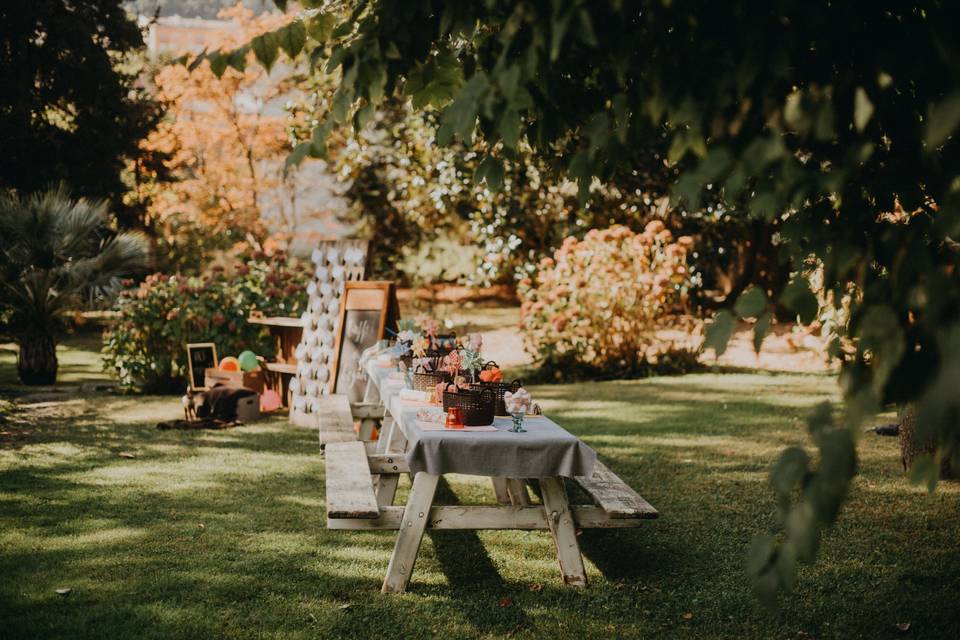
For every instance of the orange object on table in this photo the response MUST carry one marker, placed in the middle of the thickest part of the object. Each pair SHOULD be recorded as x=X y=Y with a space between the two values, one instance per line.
x=454 y=418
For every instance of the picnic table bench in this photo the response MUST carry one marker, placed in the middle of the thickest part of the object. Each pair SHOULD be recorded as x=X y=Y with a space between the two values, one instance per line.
x=361 y=482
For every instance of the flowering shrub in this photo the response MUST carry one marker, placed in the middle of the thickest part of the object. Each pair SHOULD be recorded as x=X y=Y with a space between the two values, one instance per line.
x=145 y=345
x=594 y=306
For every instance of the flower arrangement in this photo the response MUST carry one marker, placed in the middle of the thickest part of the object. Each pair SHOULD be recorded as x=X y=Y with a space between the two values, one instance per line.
x=596 y=304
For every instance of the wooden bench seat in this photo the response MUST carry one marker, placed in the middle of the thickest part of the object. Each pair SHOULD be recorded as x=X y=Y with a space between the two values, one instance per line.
x=336 y=420
x=349 y=485
x=615 y=496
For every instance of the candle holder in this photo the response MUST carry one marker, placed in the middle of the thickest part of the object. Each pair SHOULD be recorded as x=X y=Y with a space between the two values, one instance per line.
x=454 y=418
x=517 y=423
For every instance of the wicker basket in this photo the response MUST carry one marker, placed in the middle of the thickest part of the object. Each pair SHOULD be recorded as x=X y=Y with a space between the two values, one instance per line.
x=498 y=389
x=477 y=406
x=428 y=380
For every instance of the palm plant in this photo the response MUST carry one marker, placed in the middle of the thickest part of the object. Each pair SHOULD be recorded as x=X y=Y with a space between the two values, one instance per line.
x=55 y=250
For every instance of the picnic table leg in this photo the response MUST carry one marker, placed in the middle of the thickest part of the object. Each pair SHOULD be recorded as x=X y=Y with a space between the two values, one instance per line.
x=386 y=427
x=564 y=533
x=415 y=516
x=371 y=394
x=517 y=491
x=500 y=488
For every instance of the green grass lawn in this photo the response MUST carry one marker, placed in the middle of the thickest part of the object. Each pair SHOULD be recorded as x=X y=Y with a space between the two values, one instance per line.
x=221 y=534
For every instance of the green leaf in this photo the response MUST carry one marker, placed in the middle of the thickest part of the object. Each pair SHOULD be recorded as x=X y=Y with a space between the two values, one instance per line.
x=760 y=330
x=862 y=109
x=804 y=532
x=925 y=470
x=750 y=303
x=363 y=116
x=461 y=115
x=798 y=297
x=376 y=83
x=880 y=333
x=435 y=82
x=238 y=58
x=265 y=48
x=762 y=569
x=292 y=38
x=943 y=120
x=320 y=27
x=559 y=29
x=218 y=63
x=490 y=170
x=197 y=61
x=295 y=157
x=789 y=470
x=763 y=205
x=580 y=170
x=718 y=332
x=509 y=128
x=587 y=34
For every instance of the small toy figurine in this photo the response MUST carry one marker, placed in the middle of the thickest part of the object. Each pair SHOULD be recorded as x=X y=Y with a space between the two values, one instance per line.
x=190 y=402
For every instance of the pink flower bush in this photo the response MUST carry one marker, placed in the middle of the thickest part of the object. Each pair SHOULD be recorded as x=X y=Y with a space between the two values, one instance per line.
x=598 y=302
x=144 y=345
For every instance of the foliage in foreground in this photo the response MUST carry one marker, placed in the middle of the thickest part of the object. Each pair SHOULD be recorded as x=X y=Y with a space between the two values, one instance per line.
x=597 y=303
x=839 y=120
x=144 y=346
x=71 y=108
x=55 y=254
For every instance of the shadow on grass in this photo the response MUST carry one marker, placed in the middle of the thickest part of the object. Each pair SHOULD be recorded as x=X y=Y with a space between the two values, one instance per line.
x=470 y=571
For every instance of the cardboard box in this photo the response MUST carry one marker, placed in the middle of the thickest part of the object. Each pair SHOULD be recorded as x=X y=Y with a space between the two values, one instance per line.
x=249 y=379
x=248 y=409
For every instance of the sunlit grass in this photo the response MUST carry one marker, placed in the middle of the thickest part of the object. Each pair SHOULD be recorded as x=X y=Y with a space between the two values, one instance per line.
x=221 y=534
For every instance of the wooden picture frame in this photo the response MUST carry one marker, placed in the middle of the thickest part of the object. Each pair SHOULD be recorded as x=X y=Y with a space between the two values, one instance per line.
x=368 y=309
x=200 y=355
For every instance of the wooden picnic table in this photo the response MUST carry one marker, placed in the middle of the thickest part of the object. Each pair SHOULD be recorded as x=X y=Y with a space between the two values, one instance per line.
x=362 y=481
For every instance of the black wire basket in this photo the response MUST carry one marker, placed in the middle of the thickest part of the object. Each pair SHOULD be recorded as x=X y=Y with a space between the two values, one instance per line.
x=477 y=406
x=498 y=389
x=424 y=380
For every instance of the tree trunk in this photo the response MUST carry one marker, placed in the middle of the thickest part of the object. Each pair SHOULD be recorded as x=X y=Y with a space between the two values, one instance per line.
x=37 y=362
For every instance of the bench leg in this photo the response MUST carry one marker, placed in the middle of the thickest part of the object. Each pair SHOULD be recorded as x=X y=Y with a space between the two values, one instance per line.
x=386 y=487
x=415 y=516
x=564 y=533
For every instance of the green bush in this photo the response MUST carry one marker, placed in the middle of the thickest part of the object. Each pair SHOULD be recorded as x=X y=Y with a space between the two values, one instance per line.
x=144 y=346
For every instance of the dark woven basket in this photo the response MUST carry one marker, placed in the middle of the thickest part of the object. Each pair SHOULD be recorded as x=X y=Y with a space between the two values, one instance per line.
x=428 y=380
x=477 y=406
x=499 y=389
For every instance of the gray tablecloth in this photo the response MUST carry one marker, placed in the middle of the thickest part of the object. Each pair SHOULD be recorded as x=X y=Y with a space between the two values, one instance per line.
x=545 y=450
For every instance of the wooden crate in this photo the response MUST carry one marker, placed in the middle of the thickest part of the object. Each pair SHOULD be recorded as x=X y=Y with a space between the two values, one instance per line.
x=249 y=379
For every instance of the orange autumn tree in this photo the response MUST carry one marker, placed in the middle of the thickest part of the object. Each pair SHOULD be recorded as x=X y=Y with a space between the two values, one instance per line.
x=224 y=143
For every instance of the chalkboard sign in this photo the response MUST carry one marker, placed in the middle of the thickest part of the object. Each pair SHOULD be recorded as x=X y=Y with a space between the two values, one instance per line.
x=367 y=310
x=200 y=356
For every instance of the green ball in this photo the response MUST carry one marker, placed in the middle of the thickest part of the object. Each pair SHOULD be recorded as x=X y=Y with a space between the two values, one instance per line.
x=248 y=361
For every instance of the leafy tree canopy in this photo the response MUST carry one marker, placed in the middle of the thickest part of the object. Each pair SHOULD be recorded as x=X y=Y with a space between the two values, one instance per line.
x=69 y=108
x=837 y=119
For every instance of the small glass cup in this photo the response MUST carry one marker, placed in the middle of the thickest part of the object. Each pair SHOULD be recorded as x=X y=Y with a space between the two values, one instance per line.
x=517 y=422
x=454 y=418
